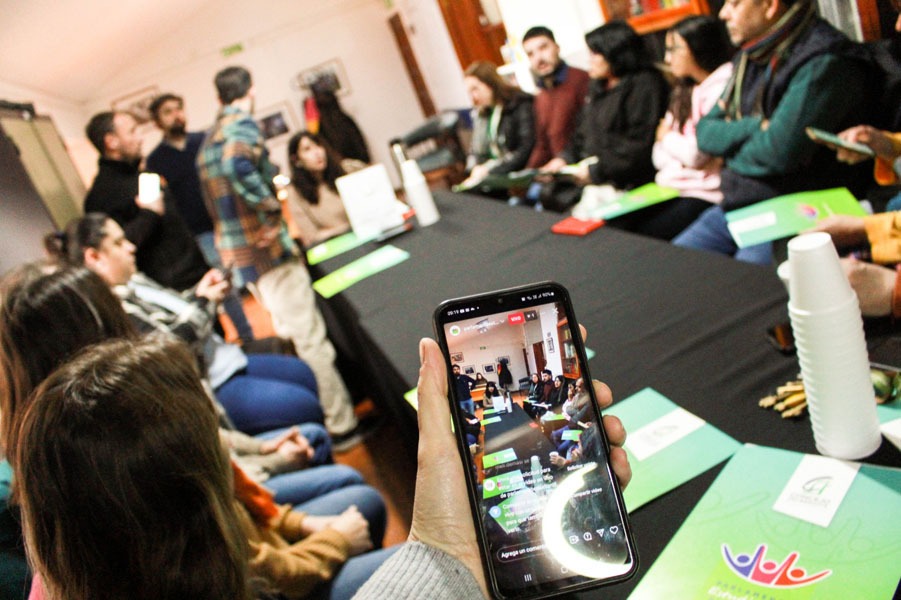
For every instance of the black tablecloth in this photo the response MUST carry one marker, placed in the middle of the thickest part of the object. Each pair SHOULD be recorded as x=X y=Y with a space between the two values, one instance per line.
x=689 y=324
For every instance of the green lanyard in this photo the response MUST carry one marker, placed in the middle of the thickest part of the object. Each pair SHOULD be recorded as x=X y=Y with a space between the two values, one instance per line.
x=494 y=122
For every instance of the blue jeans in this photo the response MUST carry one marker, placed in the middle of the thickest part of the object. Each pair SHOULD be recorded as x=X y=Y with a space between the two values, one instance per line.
x=231 y=303
x=709 y=232
x=364 y=497
x=354 y=574
x=468 y=405
x=273 y=391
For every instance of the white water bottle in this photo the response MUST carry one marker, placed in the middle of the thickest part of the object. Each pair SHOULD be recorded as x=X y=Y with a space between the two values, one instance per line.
x=419 y=196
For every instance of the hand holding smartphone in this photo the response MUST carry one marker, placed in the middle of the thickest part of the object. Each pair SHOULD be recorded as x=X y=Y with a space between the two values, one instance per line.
x=830 y=139
x=545 y=502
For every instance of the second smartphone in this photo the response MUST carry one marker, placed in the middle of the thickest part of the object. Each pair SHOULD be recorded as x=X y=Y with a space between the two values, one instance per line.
x=546 y=505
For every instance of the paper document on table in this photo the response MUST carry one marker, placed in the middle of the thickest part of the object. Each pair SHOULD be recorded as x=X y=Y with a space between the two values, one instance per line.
x=374 y=262
x=788 y=215
x=734 y=545
x=369 y=201
x=816 y=489
x=667 y=445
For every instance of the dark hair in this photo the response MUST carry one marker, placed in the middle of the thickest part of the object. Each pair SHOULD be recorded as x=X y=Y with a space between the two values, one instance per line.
x=67 y=247
x=158 y=102
x=486 y=72
x=709 y=44
x=621 y=47
x=232 y=83
x=538 y=31
x=125 y=489
x=548 y=371
x=45 y=318
x=307 y=182
x=708 y=40
x=97 y=128
x=491 y=385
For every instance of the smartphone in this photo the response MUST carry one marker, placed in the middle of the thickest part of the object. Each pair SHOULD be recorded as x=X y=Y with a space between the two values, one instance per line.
x=546 y=504
x=149 y=187
x=782 y=338
x=819 y=135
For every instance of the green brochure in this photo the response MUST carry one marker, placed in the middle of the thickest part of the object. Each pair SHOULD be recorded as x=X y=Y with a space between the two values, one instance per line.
x=641 y=197
x=667 y=445
x=374 y=262
x=789 y=215
x=335 y=246
x=781 y=525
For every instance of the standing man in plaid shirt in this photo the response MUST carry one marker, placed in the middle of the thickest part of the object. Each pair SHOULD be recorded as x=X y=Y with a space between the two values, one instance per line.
x=236 y=178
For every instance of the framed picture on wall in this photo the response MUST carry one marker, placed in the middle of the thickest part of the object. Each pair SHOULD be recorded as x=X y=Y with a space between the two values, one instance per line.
x=328 y=76
x=276 y=120
x=469 y=369
x=456 y=357
x=488 y=368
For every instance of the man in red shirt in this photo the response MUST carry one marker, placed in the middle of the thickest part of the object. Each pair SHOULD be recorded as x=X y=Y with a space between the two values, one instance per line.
x=563 y=91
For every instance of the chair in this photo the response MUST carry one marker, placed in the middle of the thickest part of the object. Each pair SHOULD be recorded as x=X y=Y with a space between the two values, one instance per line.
x=524 y=383
x=436 y=147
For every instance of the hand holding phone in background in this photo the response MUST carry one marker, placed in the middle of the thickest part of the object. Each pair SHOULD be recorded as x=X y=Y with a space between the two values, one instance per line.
x=150 y=194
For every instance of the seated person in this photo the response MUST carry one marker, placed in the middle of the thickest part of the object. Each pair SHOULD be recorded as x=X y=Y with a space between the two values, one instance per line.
x=559 y=391
x=105 y=411
x=48 y=317
x=480 y=381
x=698 y=54
x=492 y=391
x=793 y=70
x=503 y=124
x=316 y=209
x=260 y=392
x=533 y=397
x=627 y=98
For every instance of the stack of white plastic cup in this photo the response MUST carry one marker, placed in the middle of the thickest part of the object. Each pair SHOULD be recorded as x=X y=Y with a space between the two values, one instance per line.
x=832 y=351
x=418 y=194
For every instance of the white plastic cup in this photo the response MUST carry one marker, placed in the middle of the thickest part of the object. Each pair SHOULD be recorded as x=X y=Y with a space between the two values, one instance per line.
x=831 y=350
x=816 y=279
x=418 y=194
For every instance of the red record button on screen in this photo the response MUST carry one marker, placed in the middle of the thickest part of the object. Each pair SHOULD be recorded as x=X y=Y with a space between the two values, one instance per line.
x=516 y=318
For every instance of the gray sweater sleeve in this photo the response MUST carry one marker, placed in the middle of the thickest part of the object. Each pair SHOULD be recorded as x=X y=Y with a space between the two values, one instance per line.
x=420 y=571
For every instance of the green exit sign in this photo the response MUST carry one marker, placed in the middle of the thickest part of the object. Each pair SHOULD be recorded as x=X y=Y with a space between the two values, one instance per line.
x=233 y=49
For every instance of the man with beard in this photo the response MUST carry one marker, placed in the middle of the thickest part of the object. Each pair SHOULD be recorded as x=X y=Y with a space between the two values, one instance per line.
x=175 y=159
x=165 y=249
x=563 y=91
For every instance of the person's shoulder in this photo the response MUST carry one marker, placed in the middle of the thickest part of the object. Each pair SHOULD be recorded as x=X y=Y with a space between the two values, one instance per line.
x=351 y=165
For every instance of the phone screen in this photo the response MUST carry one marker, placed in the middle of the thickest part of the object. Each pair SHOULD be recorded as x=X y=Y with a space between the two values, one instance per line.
x=546 y=503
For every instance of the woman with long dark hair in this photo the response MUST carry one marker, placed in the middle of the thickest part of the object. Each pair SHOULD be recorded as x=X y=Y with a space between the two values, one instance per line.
x=698 y=53
x=503 y=123
x=627 y=97
x=316 y=209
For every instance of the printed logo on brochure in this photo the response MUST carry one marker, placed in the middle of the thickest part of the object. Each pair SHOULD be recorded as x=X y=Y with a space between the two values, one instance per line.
x=808 y=211
x=756 y=568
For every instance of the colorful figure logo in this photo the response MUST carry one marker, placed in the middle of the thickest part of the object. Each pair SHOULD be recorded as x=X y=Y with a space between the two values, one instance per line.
x=757 y=569
x=808 y=211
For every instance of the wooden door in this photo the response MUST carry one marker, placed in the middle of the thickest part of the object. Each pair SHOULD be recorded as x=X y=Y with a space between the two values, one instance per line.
x=538 y=353
x=406 y=51
x=473 y=34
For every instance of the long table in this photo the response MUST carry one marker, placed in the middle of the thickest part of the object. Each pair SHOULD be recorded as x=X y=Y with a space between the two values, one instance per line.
x=689 y=324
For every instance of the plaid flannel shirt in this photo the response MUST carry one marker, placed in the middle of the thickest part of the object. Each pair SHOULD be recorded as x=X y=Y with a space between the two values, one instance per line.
x=236 y=178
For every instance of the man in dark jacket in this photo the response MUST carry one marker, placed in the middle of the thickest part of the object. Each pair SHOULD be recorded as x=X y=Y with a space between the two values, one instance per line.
x=793 y=71
x=166 y=250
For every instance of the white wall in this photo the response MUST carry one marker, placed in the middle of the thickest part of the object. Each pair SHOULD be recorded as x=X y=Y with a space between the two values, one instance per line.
x=570 y=20
x=280 y=39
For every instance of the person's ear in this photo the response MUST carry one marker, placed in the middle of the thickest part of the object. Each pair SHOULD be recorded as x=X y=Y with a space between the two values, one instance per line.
x=774 y=9
x=110 y=141
x=92 y=258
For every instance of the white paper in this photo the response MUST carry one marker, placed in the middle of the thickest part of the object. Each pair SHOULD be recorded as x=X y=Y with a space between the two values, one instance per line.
x=816 y=489
x=892 y=432
x=369 y=201
x=767 y=219
x=661 y=433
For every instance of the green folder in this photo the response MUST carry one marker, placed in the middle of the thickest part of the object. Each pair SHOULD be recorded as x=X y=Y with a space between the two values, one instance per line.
x=788 y=215
x=734 y=544
x=374 y=262
x=648 y=415
x=335 y=246
x=641 y=197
